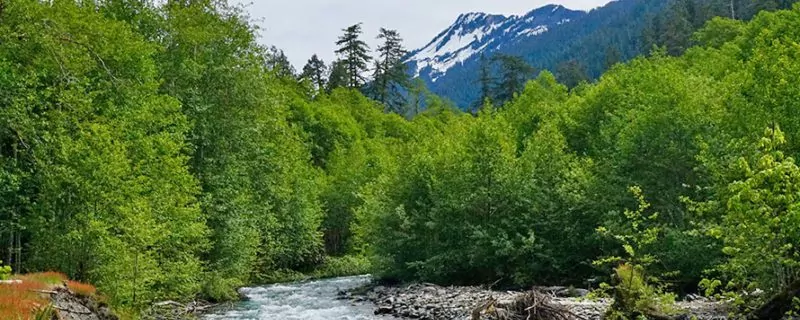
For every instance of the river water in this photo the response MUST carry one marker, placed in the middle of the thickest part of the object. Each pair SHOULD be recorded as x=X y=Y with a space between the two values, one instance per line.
x=313 y=300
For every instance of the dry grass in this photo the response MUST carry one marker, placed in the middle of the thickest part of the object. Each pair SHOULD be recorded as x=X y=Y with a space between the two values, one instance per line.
x=21 y=301
x=26 y=301
x=83 y=289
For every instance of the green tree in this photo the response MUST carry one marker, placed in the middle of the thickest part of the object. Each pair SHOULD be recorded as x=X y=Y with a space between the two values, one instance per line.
x=114 y=202
x=338 y=77
x=485 y=79
x=278 y=62
x=759 y=226
x=612 y=57
x=314 y=71
x=354 y=56
x=514 y=72
x=259 y=189
x=571 y=73
x=391 y=74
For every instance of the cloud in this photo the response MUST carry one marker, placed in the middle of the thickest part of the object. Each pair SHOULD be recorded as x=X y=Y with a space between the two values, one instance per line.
x=305 y=27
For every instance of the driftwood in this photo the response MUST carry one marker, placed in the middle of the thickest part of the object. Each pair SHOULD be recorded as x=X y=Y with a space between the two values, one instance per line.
x=533 y=305
x=50 y=292
x=175 y=310
x=776 y=308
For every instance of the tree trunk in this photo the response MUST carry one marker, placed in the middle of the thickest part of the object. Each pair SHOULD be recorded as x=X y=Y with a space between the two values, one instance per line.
x=18 y=258
x=10 y=246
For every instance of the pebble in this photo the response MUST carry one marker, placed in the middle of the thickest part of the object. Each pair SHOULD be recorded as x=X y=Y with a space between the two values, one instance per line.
x=431 y=302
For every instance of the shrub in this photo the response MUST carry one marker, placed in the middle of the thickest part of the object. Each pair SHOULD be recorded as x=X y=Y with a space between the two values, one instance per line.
x=635 y=293
x=343 y=266
x=5 y=271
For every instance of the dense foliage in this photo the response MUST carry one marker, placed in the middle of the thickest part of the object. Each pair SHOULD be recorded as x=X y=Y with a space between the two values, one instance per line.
x=157 y=151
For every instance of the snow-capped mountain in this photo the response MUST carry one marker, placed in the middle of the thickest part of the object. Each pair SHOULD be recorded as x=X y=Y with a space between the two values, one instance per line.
x=477 y=33
x=545 y=37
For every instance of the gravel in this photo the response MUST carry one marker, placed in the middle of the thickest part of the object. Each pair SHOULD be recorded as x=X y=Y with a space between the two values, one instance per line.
x=429 y=301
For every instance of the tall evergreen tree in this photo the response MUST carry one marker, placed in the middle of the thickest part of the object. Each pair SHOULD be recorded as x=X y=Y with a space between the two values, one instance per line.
x=418 y=95
x=354 y=55
x=571 y=73
x=314 y=72
x=277 y=61
x=338 y=77
x=485 y=80
x=514 y=73
x=613 y=56
x=390 y=71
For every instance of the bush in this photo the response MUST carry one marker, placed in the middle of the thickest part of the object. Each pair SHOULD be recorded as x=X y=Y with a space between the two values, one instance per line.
x=220 y=288
x=635 y=297
x=5 y=271
x=343 y=266
x=635 y=293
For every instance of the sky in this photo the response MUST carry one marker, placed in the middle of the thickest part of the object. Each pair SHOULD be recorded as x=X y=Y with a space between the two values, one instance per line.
x=305 y=27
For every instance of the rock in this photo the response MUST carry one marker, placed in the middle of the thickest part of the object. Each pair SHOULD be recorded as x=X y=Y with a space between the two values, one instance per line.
x=693 y=297
x=386 y=309
x=242 y=296
x=431 y=302
x=70 y=306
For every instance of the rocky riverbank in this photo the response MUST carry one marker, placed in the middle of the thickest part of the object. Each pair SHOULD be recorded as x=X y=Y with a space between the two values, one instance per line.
x=71 y=306
x=429 y=301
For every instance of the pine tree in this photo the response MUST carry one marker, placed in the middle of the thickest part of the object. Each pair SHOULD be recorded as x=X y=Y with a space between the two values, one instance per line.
x=353 y=53
x=514 y=73
x=613 y=56
x=485 y=80
x=571 y=73
x=314 y=72
x=277 y=61
x=390 y=71
x=418 y=95
x=338 y=77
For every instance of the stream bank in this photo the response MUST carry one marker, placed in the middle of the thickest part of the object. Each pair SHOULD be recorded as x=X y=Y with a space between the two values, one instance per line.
x=431 y=302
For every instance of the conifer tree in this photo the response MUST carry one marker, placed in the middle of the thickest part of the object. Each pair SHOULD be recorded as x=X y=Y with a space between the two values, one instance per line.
x=613 y=56
x=571 y=73
x=514 y=73
x=314 y=72
x=353 y=53
x=338 y=77
x=390 y=72
x=485 y=80
x=279 y=63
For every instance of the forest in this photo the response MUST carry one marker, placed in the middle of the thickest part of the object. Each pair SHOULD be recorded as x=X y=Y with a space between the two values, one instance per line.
x=159 y=152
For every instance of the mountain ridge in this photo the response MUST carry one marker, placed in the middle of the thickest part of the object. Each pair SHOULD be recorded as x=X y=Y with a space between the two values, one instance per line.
x=452 y=72
x=478 y=32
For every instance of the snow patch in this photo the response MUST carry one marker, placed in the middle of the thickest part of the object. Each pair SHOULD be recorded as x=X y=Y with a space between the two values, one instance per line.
x=532 y=31
x=475 y=33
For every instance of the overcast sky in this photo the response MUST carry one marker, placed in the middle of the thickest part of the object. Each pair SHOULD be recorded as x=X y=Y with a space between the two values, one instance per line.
x=304 y=27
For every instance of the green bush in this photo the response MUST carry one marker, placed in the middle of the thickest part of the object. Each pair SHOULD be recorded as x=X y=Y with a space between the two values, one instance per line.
x=218 y=287
x=343 y=266
x=5 y=271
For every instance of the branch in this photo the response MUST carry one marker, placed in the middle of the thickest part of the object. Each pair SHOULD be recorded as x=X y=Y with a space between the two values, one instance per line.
x=93 y=53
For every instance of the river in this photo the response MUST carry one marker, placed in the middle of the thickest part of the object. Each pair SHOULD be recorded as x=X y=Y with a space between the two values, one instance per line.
x=312 y=300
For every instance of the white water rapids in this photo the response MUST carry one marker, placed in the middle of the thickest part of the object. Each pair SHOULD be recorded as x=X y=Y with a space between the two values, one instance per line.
x=313 y=300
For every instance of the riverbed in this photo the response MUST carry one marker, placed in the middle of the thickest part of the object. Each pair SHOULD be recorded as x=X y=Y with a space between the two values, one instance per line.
x=311 y=300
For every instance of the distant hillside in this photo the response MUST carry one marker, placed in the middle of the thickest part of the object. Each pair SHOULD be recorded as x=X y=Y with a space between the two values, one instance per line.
x=544 y=37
